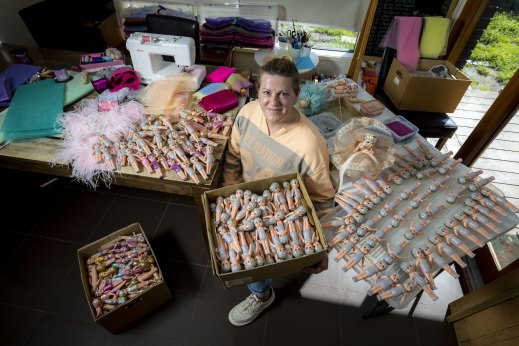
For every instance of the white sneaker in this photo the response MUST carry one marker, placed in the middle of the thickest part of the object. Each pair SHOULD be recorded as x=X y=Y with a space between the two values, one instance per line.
x=246 y=311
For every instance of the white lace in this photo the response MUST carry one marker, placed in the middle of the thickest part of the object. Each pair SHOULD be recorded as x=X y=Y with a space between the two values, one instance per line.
x=252 y=303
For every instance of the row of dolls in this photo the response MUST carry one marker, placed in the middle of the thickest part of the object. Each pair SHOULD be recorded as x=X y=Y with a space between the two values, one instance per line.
x=121 y=270
x=257 y=229
x=356 y=235
x=158 y=146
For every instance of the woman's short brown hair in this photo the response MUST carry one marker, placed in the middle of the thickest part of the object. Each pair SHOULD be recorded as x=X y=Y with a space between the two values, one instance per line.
x=284 y=67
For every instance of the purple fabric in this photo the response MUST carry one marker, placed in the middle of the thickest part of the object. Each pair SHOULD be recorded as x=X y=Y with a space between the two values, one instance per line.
x=256 y=25
x=16 y=75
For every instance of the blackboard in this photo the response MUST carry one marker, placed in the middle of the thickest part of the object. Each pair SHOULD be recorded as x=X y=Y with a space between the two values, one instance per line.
x=387 y=9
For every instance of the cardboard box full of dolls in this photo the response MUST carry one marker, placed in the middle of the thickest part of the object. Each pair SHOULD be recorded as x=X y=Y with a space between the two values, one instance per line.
x=420 y=92
x=133 y=288
x=301 y=252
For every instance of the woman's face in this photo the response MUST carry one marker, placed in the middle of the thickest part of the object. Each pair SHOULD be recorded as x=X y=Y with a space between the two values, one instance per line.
x=277 y=97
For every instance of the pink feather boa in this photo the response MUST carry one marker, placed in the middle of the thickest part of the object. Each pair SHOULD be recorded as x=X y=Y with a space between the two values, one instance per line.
x=81 y=129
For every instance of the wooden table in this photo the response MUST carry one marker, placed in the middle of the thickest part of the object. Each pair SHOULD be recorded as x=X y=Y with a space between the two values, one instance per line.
x=38 y=155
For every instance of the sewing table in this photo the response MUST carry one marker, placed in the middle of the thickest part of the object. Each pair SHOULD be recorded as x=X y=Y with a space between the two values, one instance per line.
x=37 y=155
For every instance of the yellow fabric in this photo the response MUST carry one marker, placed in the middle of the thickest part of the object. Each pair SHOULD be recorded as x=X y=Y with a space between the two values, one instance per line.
x=434 y=38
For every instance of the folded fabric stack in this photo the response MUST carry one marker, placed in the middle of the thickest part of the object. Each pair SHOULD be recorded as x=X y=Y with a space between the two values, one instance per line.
x=134 y=18
x=237 y=31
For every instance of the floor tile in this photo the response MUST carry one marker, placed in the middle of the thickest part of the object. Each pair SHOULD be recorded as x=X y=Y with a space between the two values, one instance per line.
x=35 y=273
x=70 y=300
x=20 y=323
x=25 y=195
x=295 y=320
x=75 y=215
x=432 y=331
x=210 y=325
x=11 y=241
x=131 y=337
x=171 y=320
x=56 y=330
x=144 y=194
x=179 y=236
x=125 y=211
x=182 y=276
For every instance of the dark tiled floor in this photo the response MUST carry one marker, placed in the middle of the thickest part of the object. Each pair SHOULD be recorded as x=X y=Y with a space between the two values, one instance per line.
x=42 y=301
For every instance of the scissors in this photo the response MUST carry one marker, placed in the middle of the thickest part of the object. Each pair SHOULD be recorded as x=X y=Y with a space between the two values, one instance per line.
x=305 y=37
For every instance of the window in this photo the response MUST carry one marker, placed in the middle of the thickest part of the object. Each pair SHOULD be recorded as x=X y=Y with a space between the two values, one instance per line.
x=323 y=37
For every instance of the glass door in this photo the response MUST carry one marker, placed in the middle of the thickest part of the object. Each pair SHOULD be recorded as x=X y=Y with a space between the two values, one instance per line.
x=488 y=122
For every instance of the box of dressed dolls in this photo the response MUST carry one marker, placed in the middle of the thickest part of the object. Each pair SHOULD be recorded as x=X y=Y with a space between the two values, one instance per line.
x=262 y=229
x=121 y=278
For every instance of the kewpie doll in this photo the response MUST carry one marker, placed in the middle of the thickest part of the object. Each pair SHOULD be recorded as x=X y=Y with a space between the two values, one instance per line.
x=287 y=191
x=369 y=271
x=418 y=279
x=451 y=239
x=142 y=143
x=461 y=231
x=222 y=254
x=297 y=248
x=444 y=248
x=498 y=199
x=276 y=246
x=247 y=254
x=368 y=144
x=261 y=235
x=423 y=264
x=190 y=172
x=424 y=148
x=234 y=258
x=473 y=225
x=209 y=159
x=438 y=260
x=96 y=151
x=357 y=256
x=280 y=227
x=278 y=197
x=296 y=192
x=398 y=290
x=145 y=162
x=489 y=203
x=107 y=157
x=155 y=165
x=384 y=282
x=198 y=166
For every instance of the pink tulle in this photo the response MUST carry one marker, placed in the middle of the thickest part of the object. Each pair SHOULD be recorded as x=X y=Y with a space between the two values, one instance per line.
x=81 y=129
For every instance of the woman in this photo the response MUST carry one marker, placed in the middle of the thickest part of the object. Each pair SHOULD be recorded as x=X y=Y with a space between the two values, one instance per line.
x=270 y=137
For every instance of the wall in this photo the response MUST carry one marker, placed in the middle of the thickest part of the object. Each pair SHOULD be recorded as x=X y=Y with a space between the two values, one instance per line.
x=349 y=14
x=12 y=27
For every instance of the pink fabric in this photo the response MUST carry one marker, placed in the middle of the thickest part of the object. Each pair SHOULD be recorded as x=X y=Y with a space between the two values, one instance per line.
x=220 y=74
x=404 y=36
x=219 y=102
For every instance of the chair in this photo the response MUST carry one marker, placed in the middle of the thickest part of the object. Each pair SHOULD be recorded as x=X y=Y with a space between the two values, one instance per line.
x=430 y=124
x=179 y=26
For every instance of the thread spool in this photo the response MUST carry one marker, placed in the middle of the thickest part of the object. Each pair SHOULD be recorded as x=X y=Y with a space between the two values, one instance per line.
x=61 y=74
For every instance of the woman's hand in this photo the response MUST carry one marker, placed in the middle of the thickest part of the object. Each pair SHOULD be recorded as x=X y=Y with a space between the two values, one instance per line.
x=318 y=267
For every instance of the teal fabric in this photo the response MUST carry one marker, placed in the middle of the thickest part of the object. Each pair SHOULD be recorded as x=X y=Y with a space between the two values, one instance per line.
x=75 y=89
x=34 y=110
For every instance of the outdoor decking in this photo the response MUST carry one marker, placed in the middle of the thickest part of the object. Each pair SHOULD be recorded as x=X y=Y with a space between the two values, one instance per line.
x=501 y=158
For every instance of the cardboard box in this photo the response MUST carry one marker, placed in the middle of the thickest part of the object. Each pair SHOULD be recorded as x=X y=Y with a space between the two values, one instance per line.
x=87 y=62
x=135 y=308
x=425 y=94
x=267 y=271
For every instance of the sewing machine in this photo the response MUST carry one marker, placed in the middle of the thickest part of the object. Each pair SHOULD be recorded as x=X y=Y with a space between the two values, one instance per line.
x=147 y=51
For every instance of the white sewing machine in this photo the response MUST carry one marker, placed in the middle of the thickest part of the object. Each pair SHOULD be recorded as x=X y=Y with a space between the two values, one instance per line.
x=147 y=49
